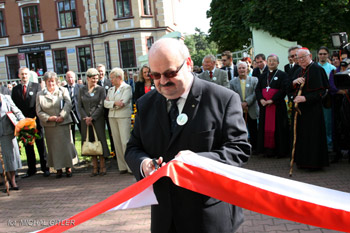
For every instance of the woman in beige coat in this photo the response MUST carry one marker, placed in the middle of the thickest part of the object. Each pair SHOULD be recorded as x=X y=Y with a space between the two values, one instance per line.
x=118 y=102
x=53 y=106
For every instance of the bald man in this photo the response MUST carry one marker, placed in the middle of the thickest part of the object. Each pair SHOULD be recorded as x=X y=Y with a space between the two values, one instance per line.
x=215 y=129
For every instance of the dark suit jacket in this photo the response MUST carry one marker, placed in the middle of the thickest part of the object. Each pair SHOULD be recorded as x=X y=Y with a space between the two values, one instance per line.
x=106 y=85
x=27 y=106
x=287 y=68
x=75 y=97
x=235 y=71
x=140 y=90
x=256 y=71
x=215 y=129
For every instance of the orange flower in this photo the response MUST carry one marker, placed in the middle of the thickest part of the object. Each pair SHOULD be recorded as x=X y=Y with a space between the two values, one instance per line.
x=22 y=124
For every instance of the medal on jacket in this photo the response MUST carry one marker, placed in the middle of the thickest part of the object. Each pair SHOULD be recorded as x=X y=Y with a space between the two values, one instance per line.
x=182 y=119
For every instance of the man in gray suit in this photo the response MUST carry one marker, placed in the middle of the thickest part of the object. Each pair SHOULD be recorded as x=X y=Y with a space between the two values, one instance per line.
x=73 y=89
x=245 y=87
x=213 y=74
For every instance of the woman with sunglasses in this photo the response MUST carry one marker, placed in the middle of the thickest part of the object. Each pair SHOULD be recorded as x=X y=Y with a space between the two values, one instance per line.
x=144 y=84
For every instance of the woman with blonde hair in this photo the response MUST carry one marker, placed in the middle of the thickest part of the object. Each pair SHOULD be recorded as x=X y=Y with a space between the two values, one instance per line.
x=118 y=102
x=144 y=83
x=90 y=104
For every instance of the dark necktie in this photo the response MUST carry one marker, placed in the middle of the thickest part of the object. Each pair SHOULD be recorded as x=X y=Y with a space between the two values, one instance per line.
x=229 y=73
x=71 y=91
x=173 y=113
x=210 y=74
x=24 y=91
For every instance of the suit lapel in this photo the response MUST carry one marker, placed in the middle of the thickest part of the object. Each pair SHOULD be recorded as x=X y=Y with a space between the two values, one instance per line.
x=190 y=107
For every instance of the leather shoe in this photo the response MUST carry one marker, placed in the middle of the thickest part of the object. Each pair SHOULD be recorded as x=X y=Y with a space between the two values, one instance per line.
x=28 y=175
x=46 y=173
x=123 y=171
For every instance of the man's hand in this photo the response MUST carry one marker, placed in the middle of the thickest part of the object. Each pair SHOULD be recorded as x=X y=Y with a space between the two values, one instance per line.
x=299 y=80
x=148 y=166
x=269 y=102
x=88 y=120
x=263 y=102
x=299 y=99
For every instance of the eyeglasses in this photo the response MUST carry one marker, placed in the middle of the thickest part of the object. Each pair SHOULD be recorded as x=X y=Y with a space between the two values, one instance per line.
x=168 y=73
x=303 y=57
x=224 y=60
x=323 y=54
x=293 y=55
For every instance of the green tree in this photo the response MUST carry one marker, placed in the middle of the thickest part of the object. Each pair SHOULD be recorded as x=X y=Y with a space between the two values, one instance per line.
x=199 y=46
x=309 y=22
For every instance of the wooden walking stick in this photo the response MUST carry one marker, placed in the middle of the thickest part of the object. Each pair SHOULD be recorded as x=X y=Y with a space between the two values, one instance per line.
x=297 y=111
x=4 y=174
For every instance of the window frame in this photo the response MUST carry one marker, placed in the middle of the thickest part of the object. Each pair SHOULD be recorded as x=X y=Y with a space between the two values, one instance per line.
x=78 y=57
x=103 y=17
x=8 y=65
x=54 y=59
x=70 y=11
x=108 y=55
x=116 y=10
x=120 y=52
x=2 y=11
x=143 y=9
x=38 y=18
x=147 y=38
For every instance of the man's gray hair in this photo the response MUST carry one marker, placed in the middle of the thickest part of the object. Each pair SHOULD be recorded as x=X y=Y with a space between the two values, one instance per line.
x=273 y=55
x=294 y=47
x=242 y=63
x=212 y=58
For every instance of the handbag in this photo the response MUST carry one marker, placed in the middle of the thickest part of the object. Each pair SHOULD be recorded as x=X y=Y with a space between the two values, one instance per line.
x=91 y=148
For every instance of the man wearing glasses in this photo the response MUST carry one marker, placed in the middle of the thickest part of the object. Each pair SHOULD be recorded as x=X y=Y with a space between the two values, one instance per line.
x=311 y=144
x=226 y=58
x=186 y=115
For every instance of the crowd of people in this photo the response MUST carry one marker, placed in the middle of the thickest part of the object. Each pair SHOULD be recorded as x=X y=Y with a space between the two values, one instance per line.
x=269 y=100
x=223 y=113
x=271 y=97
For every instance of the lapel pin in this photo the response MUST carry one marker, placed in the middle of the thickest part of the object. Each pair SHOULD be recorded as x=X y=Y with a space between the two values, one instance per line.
x=31 y=93
x=214 y=79
x=182 y=119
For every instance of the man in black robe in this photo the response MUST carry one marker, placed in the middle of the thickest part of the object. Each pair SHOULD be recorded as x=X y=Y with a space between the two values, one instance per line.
x=273 y=132
x=311 y=143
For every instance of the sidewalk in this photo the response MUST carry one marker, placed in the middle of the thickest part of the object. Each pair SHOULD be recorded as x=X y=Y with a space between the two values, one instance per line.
x=41 y=200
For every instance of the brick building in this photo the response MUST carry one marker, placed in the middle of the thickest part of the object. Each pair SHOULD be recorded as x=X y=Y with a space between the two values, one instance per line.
x=63 y=35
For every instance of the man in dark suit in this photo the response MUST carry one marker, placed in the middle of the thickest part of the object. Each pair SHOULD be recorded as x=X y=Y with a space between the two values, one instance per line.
x=73 y=89
x=290 y=64
x=261 y=68
x=24 y=96
x=213 y=128
x=226 y=58
x=106 y=83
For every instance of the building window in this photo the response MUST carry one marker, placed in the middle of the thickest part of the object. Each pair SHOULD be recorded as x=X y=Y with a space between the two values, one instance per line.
x=127 y=53
x=84 y=56
x=123 y=8
x=31 y=21
x=103 y=10
x=67 y=13
x=12 y=66
x=2 y=24
x=60 y=61
x=149 y=42
x=108 y=56
x=147 y=7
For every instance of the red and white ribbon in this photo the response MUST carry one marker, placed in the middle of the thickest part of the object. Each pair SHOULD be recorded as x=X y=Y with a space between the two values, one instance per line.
x=255 y=191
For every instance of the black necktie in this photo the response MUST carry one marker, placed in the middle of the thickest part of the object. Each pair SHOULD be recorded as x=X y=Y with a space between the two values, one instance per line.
x=71 y=94
x=173 y=113
x=229 y=73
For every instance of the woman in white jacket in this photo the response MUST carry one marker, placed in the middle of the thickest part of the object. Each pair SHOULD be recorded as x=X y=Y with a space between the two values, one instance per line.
x=118 y=101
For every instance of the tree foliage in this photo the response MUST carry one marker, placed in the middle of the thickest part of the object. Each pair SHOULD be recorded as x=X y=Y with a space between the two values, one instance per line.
x=199 y=46
x=309 y=22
